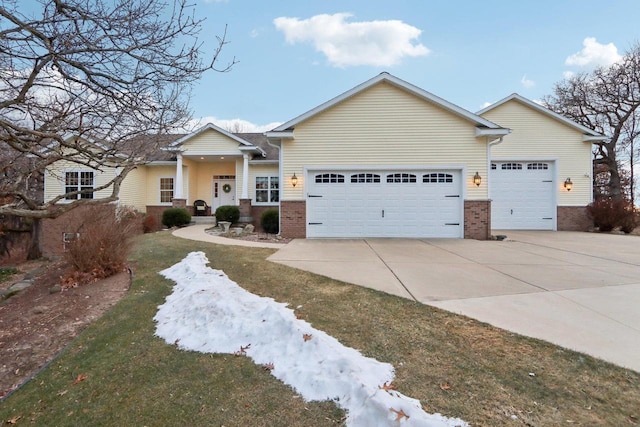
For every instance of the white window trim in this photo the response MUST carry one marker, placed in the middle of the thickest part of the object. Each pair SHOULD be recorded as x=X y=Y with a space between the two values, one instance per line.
x=78 y=171
x=160 y=202
x=269 y=190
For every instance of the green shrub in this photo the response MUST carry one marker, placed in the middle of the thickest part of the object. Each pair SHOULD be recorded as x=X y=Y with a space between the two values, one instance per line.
x=270 y=221
x=608 y=214
x=228 y=213
x=175 y=217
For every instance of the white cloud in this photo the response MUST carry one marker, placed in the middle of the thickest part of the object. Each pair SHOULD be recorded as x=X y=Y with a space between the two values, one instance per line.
x=568 y=74
x=232 y=125
x=485 y=105
x=594 y=54
x=526 y=82
x=377 y=43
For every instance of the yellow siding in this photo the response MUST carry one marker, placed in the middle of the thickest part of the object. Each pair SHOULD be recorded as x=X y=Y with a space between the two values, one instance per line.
x=54 y=179
x=154 y=173
x=538 y=136
x=201 y=178
x=211 y=141
x=133 y=190
x=384 y=125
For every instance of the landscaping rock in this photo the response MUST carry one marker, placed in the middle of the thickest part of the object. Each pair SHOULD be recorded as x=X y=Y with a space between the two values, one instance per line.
x=249 y=228
x=55 y=289
x=237 y=231
x=20 y=286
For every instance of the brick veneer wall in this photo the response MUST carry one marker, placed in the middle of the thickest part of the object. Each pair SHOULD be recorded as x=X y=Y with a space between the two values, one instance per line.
x=477 y=219
x=293 y=216
x=256 y=213
x=156 y=213
x=51 y=243
x=574 y=218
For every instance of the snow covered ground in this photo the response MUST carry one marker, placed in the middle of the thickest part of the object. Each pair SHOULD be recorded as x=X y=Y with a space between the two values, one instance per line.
x=209 y=313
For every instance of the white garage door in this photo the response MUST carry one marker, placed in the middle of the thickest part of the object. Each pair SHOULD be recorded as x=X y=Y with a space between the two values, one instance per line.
x=384 y=204
x=522 y=196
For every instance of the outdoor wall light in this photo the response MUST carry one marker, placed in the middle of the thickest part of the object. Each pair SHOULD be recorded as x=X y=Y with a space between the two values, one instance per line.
x=477 y=179
x=568 y=184
x=294 y=180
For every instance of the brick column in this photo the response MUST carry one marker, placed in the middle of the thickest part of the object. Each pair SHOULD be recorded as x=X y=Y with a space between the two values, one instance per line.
x=477 y=219
x=293 y=217
x=245 y=210
x=179 y=203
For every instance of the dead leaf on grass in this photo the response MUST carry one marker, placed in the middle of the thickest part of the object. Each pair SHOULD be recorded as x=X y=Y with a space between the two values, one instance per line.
x=62 y=393
x=14 y=420
x=268 y=367
x=445 y=386
x=80 y=378
x=243 y=351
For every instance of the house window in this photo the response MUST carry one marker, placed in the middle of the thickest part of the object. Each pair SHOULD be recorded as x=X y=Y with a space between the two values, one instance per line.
x=401 y=177
x=537 y=166
x=511 y=166
x=79 y=181
x=494 y=166
x=267 y=189
x=166 y=190
x=329 y=178
x=437 y=177
x=365 y=178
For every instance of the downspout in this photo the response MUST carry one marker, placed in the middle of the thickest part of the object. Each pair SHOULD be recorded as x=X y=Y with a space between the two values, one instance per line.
x=280 y=180
x=489 y=145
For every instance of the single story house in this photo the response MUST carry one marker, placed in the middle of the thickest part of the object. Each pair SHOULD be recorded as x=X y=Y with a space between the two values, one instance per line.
x=384 y=159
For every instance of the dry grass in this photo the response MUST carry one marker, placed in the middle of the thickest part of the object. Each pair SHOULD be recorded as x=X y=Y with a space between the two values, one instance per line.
x=454 y=365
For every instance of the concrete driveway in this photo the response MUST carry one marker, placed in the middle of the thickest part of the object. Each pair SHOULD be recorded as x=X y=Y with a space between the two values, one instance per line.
x=577 y=290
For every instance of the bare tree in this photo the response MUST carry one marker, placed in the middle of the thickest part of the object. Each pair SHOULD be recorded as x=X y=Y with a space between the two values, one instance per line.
x=104 y=71
x=606 y=100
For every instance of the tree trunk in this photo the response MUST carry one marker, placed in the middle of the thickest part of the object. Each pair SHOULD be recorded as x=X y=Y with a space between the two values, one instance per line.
x=34 y=246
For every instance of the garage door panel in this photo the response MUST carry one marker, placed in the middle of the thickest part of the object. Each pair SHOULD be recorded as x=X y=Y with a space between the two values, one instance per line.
x=396 y=204
x=522 y=199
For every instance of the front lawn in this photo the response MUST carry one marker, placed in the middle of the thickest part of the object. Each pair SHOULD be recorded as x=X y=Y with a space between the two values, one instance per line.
x=118 y=373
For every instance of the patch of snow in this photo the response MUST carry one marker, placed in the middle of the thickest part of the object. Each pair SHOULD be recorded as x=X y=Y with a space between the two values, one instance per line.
x=209 y=313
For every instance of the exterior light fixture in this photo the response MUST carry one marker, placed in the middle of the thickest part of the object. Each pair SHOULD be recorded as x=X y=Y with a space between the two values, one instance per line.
x=568 y=184
x=294 y=180
x=477 y=179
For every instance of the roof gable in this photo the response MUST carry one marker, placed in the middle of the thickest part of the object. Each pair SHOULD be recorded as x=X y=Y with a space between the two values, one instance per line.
x=234 y=141
x=589 y=134
x=388 y=78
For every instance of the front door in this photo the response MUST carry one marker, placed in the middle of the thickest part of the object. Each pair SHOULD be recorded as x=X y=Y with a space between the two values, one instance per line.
x=224 y=192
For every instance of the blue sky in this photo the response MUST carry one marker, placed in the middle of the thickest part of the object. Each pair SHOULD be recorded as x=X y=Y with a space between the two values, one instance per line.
x=295 y=54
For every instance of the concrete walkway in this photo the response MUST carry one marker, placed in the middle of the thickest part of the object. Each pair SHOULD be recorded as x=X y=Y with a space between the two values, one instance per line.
x=197 y=232
x=577 y=290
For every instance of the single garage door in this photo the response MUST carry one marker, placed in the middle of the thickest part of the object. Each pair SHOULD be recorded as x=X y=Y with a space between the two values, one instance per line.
x=384 y=203
x=522 y=196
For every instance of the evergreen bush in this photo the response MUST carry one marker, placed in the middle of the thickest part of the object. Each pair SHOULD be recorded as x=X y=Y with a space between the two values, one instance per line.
x=270 y=221
x=228 y=213
x=175 y=217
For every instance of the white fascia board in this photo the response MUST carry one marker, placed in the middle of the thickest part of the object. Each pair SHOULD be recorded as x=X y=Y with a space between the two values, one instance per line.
x=264 y=162
x=283 y=134
x=210 y=126
x=591 y=138
x=544 y=110
x=252 y=149
x=162 y=163
x=384 y=76
x=492 y=132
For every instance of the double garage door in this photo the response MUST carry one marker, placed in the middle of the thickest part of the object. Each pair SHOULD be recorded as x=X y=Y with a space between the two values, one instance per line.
x=390 y=203
x=522 y=196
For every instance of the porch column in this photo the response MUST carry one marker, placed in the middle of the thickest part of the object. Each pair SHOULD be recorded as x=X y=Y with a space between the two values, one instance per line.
x=245 y=177
x=177 y=189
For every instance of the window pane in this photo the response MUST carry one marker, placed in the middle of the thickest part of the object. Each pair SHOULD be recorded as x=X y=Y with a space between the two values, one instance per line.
x=261 y=196
x=71 y=178
x=275 y=184
x=262 y=183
